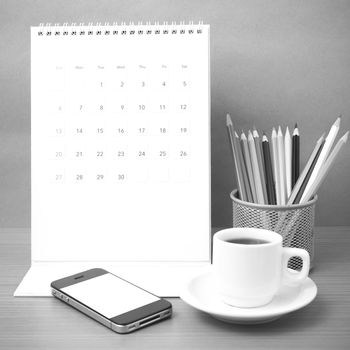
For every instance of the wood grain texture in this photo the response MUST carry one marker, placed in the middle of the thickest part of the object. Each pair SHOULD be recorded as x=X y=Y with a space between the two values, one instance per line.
x=45 y=323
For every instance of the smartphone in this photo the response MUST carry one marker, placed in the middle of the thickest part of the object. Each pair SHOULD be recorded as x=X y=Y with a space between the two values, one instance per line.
x=111 y=300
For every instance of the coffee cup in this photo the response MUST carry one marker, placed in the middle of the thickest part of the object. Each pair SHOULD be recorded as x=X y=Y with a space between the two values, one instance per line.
x=250 y=265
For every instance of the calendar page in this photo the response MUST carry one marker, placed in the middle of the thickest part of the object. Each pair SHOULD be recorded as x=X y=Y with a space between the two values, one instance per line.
x=120 y=143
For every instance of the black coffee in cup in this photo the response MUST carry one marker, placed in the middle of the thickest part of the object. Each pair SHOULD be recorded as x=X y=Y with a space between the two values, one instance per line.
x=247 y=241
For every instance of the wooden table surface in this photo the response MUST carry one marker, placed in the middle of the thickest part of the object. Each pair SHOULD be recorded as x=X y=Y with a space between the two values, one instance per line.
x=45 y=323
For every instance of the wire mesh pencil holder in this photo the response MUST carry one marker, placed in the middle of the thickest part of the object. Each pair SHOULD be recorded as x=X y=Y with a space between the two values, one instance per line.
x=294 y=223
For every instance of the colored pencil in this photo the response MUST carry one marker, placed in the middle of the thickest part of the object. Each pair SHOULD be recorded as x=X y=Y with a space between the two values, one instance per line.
x=295 y=155
x=239 y=175
x=326 y=167
x=302 y=180
x=259 y=155
x=288 y=161
x=323 y=156
x=308 y=175
x=276 y=171
x=248 y=163
x=244 y=170
x=281 y=165
x=268 y=170
x=255 y=167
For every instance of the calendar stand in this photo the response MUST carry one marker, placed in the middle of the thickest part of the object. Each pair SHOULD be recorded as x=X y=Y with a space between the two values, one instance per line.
x=120 y=153
x=163 y=279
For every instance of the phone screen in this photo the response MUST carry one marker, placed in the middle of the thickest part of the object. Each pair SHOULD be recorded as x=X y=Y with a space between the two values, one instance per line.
x=109 y=295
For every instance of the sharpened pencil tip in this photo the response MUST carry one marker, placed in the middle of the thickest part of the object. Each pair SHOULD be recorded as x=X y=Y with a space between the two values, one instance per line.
x=296 y=126
x=228 y=119
x=322 y=137
x=345 y=136
x=337 y=122
x=296 y=131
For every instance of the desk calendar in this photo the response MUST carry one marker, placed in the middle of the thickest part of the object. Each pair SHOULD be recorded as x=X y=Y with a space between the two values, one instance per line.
x=120 y=149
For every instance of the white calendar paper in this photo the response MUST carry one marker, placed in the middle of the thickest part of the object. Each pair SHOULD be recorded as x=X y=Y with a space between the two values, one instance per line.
x=120 y=144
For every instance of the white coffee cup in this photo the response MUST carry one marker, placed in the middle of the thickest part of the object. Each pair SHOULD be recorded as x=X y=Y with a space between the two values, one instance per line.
x=249 y=275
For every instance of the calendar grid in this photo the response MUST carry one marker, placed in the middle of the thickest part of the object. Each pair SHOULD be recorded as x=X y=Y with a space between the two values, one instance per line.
x=120 y=142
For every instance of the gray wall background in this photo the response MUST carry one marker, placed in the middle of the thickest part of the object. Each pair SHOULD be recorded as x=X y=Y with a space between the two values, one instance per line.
x=272 y=62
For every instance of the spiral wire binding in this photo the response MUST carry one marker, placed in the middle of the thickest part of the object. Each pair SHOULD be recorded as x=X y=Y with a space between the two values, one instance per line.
x=73 y=29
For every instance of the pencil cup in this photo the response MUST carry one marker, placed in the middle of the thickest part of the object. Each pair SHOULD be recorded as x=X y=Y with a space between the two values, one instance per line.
x=294 y=223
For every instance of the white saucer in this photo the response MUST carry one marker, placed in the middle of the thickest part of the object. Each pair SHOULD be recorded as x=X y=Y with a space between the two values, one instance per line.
x=201 y=294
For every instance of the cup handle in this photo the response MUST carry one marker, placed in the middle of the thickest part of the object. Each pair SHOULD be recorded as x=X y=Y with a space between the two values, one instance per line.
x=295 y=277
